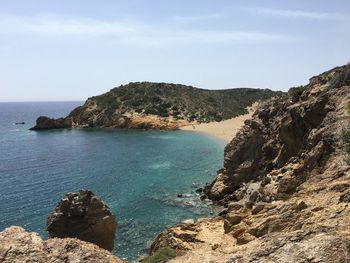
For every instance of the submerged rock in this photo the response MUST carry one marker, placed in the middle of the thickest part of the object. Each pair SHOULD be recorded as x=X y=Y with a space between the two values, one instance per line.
x=83 y=215
x=17 y=245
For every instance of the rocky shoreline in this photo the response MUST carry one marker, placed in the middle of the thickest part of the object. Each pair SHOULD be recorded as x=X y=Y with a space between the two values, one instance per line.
x=81 y=228
x=284 y=185
x=284 y=191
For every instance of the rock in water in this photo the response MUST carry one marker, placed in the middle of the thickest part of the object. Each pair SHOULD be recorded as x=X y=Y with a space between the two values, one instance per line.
x=46 y=123
x=83 y=215
x=17 y=245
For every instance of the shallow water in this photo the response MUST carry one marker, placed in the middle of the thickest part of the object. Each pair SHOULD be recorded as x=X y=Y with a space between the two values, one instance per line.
x=137 y=173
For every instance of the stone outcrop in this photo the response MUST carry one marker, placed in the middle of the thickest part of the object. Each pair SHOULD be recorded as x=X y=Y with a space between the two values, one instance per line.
x=84 y=216
x=284 y=185
x=147 y=105
x=284 y=142
x=46 y=123
x=17 y=245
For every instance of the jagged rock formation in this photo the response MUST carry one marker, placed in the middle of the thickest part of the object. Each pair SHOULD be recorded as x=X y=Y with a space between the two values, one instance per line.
x=157 y=106
x=44 y=123
x=17 y=245
x=285 y=137
x=285 y=183
x=83 y=215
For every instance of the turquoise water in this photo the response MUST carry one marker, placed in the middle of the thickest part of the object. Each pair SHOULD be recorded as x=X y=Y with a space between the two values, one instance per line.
x=137 y=173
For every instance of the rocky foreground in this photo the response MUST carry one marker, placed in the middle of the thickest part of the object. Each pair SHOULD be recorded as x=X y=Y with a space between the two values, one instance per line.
x=285 y=184
x=81 y=229
x=148 y=105
x=17 y=245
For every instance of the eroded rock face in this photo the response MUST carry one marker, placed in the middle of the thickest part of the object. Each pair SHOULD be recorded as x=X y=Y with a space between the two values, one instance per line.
x=83 y=215
x=290 y=138
x=17 y=245
x=284 y=185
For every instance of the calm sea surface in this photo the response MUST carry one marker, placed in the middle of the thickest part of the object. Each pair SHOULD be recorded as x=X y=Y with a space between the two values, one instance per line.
x=137 y=173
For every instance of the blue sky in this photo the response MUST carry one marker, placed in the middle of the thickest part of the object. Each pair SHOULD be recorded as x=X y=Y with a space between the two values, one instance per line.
x=73 y=49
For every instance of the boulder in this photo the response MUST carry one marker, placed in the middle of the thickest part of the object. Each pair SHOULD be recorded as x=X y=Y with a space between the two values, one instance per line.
x=17 y=245
x=83 y=215
x=46 y=123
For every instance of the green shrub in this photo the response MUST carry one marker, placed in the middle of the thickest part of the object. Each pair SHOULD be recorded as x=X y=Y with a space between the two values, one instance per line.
x=107 y=101
x=179 y=101
x=211 y=99
x=162 y=255
x=218 y=118
x=341 y=78
x=295 y=93
x=345 y=136
x=137 y=101
x=150 y=110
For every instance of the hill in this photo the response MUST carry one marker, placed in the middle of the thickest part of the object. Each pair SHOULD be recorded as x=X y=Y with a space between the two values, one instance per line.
x=158 y=106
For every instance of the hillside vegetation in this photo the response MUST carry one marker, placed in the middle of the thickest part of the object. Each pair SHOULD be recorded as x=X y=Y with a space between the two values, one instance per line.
x=147 y=105
x=180 y=101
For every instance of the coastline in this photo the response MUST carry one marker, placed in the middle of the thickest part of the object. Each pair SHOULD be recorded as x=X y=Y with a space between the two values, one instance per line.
x=224 y=130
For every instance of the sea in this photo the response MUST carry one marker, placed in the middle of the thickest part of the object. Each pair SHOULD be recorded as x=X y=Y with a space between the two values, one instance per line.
x=139 y=174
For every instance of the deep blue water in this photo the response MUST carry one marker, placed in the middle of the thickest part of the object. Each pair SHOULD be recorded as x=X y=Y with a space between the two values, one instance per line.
x=137 y=173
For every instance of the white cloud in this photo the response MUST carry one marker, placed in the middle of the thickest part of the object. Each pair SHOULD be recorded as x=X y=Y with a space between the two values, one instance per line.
x=302 y=14
x=210 y=37
x=196 y=18
x=60 y=26
x=129 y=32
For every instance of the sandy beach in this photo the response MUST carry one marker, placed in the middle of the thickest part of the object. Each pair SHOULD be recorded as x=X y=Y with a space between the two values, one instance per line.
x=224 y=130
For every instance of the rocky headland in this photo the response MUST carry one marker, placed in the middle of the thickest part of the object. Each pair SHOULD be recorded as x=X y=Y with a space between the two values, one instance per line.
x=147 y=105
x=285 y=184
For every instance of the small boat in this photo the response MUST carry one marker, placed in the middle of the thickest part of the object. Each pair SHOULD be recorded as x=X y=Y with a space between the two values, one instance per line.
x=20 y=123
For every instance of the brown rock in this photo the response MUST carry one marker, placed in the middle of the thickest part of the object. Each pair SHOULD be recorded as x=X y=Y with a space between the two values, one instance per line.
x=345 y=197
x=257 y=208
x=234 y=206
x=244 y=238
x=301 y=205
x=234 y=218
x=17 y=245
x=46 y=123
x=83 y=215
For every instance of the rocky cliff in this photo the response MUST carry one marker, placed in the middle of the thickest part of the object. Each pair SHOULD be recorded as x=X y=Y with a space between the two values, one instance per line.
x=285 y=184
x=157 y=106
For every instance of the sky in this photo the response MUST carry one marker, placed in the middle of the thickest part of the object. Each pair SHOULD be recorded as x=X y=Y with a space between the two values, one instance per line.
x=55 y=50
